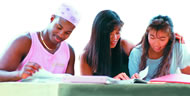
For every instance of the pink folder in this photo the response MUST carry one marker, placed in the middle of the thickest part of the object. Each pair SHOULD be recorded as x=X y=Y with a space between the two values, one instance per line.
x=173 y=78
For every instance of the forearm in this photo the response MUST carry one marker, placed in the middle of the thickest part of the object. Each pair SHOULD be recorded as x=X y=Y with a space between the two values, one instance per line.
x=70 y=71
x=85 y=72
x=9 y=76
x=186 y=70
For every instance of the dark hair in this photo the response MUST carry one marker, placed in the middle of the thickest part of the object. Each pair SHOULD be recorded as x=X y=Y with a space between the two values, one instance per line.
x=98 y=52
x=159 y=23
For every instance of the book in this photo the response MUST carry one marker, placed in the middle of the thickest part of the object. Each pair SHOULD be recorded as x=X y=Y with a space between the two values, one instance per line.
x=173 y=78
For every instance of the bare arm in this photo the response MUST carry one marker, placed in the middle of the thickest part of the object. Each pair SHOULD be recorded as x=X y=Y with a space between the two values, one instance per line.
x=84 y=67
x=127 y=46
x=12 y=58
x=13 y=55
x=70 y=67
x=186 y=70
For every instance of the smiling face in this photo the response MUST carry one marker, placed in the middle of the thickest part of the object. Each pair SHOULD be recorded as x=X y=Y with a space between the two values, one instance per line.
x=59 y=29
x=114 y=36
x=158 y=40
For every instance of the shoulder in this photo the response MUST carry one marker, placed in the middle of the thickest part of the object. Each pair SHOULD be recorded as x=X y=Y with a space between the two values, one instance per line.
x=138 y=48
x=70 y=48
x=82 y=56
x=127 y=46
x=22 y=42
x=178 y=47
x=125 y=42
x=72 y=52
x=23 y=38
x=136 y=51
x=181 y=52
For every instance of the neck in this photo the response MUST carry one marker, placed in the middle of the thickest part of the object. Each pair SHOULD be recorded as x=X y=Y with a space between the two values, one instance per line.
x=45 y=40
x=154 y=55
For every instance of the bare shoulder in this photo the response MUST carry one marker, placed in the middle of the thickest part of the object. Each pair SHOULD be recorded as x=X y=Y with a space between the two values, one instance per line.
x=26 y=38
x=72 y=52
x=22 y=43
x=70 y=67
x=125 y=42
x=127 y=46
x=72 y=55
x=82 y=56
x=83 y=59
x=17 y=50
x=85 y=68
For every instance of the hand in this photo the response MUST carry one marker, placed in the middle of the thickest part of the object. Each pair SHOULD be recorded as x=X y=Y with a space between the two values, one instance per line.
x=122 y=76
x=135 y=76
x=29 y=69
x=180 y=38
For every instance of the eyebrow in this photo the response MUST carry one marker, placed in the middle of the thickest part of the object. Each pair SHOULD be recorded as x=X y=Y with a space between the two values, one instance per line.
x=60 y=25
x=162 y=37
x=63 y=27
x=157 y=36
x=151 y=35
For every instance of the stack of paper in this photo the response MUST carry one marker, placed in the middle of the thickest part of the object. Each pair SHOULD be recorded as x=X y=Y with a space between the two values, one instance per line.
x=88 y=79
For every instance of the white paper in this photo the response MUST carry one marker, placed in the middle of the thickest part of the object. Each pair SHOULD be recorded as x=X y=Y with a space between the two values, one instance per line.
x=143 y=73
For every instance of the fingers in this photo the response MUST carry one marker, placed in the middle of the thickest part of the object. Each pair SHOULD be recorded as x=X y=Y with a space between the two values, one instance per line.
x=122 y=76
x=29 y=69
x=180 y=38
x=35 y=66
x=182 y=41
x=135 y=76
x=26 y=74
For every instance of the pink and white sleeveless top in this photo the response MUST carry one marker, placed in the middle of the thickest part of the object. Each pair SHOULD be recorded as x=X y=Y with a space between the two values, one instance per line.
x=55 y=63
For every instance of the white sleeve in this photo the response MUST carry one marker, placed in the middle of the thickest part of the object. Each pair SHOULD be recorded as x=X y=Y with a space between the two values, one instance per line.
x=181 y=56
x=186 y=57
x=134 y=61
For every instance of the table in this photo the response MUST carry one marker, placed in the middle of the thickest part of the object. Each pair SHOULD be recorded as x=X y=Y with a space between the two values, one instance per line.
x=70 y=89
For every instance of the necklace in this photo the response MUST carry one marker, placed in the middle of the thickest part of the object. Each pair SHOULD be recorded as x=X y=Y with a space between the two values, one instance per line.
x=44 y=42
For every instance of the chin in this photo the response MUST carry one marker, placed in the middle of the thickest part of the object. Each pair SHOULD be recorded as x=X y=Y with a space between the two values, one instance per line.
x=112 y=46
x=157 y=51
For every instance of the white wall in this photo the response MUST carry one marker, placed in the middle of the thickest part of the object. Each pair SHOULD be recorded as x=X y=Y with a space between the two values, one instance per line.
x=21 y=16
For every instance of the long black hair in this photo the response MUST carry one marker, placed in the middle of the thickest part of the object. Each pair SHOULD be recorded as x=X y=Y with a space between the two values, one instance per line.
x=165 y=24
x=98 y=52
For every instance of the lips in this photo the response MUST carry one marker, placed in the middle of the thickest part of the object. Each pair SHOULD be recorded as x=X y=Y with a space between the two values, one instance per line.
x=157 y=48
x=113 y=42
x=58 y=39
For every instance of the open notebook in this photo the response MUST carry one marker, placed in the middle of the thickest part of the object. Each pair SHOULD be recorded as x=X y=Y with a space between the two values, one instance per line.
x=173 y=78
x=44 y=76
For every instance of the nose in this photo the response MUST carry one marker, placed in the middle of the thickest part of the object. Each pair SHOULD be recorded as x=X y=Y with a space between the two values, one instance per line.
x=61 y=35
x=157 y=42
x=114 y=36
